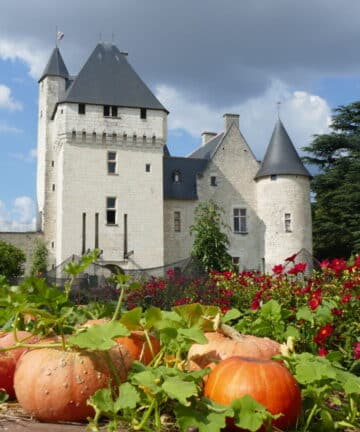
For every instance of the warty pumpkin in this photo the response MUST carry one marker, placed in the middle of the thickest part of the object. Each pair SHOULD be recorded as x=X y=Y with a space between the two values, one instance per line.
x=53 y=385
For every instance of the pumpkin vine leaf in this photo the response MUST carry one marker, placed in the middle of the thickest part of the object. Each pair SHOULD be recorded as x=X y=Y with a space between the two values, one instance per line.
x=99 y=336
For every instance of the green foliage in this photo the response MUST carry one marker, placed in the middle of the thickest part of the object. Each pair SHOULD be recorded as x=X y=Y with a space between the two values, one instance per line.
x=210 y=244
x=336 y=212
x=12 y=260
x=39 y=258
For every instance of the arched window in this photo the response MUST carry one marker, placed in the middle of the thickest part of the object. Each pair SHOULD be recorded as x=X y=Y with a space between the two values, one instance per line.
x=176 y=176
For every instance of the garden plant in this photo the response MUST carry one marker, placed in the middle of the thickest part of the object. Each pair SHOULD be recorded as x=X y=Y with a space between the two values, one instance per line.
x=153 y=359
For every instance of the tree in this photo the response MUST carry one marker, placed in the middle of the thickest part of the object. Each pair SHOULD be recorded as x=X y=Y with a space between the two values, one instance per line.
x=336 y=211
x=39 y=258
x=210 y=244
x=12 y=261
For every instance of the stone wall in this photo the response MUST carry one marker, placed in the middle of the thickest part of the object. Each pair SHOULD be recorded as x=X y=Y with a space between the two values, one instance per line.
x=26 y=241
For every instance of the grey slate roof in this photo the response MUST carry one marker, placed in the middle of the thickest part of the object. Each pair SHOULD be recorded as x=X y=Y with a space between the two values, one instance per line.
x=108 y=79
x=281 y=156
x=207 y=151
x=188 y=169
x=55 y=66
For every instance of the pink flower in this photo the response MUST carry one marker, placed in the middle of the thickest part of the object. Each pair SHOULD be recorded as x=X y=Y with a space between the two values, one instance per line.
x=357 y=351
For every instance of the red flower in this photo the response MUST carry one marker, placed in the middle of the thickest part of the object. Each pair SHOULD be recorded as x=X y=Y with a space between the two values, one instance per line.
x=255 y=305
x=291 y=258
x=322 y=352
x=323 y=333
x=306 y=289
x=325 y=264
x=314 y=303
x=298 y=268
x=337 y=312
x=357 y=351
x=346 y=298
x=278 y=269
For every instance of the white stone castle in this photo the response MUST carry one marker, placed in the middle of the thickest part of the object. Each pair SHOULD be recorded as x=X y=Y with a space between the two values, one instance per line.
x=106 y=178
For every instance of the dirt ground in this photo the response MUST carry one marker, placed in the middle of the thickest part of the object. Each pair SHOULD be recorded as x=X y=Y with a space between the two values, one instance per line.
x=14 y=419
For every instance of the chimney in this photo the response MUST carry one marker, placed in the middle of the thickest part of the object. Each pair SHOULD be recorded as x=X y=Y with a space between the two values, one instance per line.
x=230 y=119
x=207 y=136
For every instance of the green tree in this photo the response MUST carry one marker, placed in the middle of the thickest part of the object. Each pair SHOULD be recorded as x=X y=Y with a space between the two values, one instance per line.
x=39 y=258
x=336 y=211
x=12 y=261
x=210 y=243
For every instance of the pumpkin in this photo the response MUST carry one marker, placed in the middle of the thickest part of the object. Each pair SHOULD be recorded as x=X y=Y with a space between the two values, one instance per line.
x=53 y=385
x=221 y=347
x=7 y=370
x=138 y=346
x=268 y=382
x=7 y=340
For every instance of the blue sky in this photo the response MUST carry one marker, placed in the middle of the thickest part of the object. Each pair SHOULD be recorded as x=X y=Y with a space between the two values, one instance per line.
x=200 y=59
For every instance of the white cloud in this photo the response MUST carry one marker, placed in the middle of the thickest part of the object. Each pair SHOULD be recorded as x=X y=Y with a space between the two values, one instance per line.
x=7 y=101
x=20 y=217
x=5 y=128
x=25 y=51
x=30 y=156
x=302 y=113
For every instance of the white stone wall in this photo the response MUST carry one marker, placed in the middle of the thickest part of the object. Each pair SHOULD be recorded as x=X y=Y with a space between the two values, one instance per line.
x=178 y=245
x=85 y=185
x=286 y=194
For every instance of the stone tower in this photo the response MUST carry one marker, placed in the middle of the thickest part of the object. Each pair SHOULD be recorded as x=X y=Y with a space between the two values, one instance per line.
x=101 y=143
x=283 y=198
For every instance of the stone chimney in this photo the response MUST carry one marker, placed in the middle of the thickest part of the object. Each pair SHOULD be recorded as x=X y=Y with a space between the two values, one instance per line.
x=207 y=136
x=230 y=119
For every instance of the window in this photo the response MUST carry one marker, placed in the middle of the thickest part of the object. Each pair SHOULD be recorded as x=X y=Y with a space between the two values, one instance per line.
x=287 y=220
x=111 y=210
x=143 y=113
x=111 y=162
x=53 y=187
x=176 y=177
x=94 y=136
x=236 y=261
x=114 y=136
x=106 y=110
x=147 y=167
x=114 y=111
x=73 y=135
x=52 y=163
x=177 y=221
x=83 y=136
x=81 y=108
x=273 y=177
x=213 y=181
x=104 y=137
x=240 y=220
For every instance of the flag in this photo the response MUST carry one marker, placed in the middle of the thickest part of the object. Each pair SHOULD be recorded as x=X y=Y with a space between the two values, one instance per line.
x=59 y=35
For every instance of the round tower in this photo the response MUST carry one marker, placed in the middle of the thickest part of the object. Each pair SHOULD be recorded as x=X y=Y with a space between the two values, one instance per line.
x=283 y=199
x=52 y=87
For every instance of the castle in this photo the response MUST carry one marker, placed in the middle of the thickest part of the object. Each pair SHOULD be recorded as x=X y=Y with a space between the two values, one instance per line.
x=106 y=179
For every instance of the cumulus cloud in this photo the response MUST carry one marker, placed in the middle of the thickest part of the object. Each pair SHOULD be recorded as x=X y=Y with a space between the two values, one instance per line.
x=20 y=217
x=302 y=113
x=7 y=101
x=28 y=52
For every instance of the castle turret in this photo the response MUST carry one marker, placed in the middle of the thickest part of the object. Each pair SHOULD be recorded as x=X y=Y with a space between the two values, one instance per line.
x=52 y=86
x=283 y=196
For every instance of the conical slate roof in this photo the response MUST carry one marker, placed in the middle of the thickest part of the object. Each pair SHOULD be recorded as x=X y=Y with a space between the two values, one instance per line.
x=108 y=79
x=281 y=156
x=55 y=66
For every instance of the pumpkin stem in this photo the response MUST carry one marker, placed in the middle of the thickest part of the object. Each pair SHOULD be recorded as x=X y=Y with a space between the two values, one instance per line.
x=231 y=332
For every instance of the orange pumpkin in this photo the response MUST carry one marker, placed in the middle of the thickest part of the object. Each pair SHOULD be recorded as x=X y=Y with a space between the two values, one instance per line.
x=7 y=340
x=138 y=346
x=267 y=381
x=7 y=370
x=53 y=385
x=221 y=347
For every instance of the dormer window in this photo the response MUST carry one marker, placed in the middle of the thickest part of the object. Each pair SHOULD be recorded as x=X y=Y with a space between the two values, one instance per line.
x=106 y=110
x=213 y=181
x=143 y=113
x=81 y=108
x=114 y=111
x=176 y=177
x=273 y=177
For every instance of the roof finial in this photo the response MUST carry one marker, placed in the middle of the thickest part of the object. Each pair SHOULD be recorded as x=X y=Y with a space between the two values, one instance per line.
x=278 y=103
